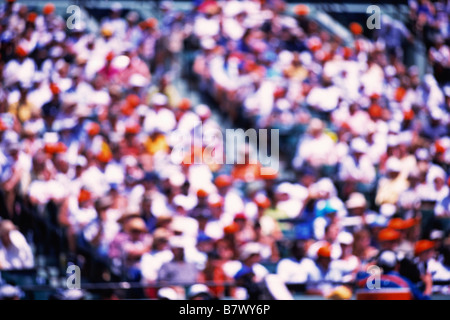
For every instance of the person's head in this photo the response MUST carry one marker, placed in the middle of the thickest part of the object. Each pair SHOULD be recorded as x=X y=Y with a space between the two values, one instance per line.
x=199 y=292
x=361 y=241
x=161 y=238
x=356 y=204
x=102 y=205
x=241 y=220
x=424 y=250
x=388 y=239
x=331 y=232
x=387 y=260
x=393 y=168
x=315 y=128
x=262 y=202
x=202 y=197
x=6 y=227
x=345 y=240
x=324 y=256
x=135 y=227
x=177 y=246
x=298 y=249
x=9 y=292
x=250 y=253
x=167 y=293
x=224 y=249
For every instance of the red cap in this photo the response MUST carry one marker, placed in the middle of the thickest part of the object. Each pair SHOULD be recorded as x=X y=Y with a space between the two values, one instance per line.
x=201 y=193
x=31 y=17
x=93 y=129
x=49 y=8
x=240 y=216
x=3 y=126
x=348 y=52
x=262 y=201
x=54 y=88
x=439 y=147
x=398 y=224
x=356 y=28
x=84 y=195
x=324 y=251
x=21 y=52
x=422 y=246
x=223 y=181
x=399 y=94
x=388 y=234
x=269 y=174
x=185 y=104
x=53 y=148
x=408 y=114
x=375 y=111
x=230 y=229
x=110 y=56
x=134 y=128
x=301 y=10
x=215 y=201
x=133 y=100
x=314 y=44
x=151 y=23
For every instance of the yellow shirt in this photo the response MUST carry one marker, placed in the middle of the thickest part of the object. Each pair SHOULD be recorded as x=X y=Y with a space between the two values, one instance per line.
x=22 y=111
x=157 y=144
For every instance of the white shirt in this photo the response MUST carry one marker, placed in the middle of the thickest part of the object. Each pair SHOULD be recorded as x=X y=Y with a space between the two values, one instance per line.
x=362 y=170
x=293 y=271
x=16 y=71
x=18 y=255
x=151 y=262
x=317 y=151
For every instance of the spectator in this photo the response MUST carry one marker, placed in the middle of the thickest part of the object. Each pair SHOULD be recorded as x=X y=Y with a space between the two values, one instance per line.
x=15 y=252
x=177 y=270
x=298 y=268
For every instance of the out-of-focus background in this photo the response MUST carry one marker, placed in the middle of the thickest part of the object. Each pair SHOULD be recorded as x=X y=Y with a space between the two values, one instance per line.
x=97 y=97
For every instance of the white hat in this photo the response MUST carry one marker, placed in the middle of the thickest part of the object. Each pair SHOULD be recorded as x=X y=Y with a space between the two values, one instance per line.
x=283 y=104
x=176 y=242
x=180 y=200
x=142 y=110
x=203 y=110
x=284 y=187
x=394 y=126
x=436 y=113
x=167 y=293
x=159 y=99
x=356 y=200
x=388 y=209
x=436 y=234
x=345 y=238
x=81 y=161
x=129 y=161
x=137 y=80
x=358 y=145
x=393 y=165
x=390 y=71
x=116 y=6
x=197 y=289
x=120 y=62
x=177 y=179
x=250 y=249
x=422 y=154
x=387 y=259
x=8 y=291
x=447 y=90
x=208 y=43
x=56 y=52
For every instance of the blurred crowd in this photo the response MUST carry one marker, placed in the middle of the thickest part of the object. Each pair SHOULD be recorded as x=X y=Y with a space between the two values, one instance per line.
x=89 y=119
